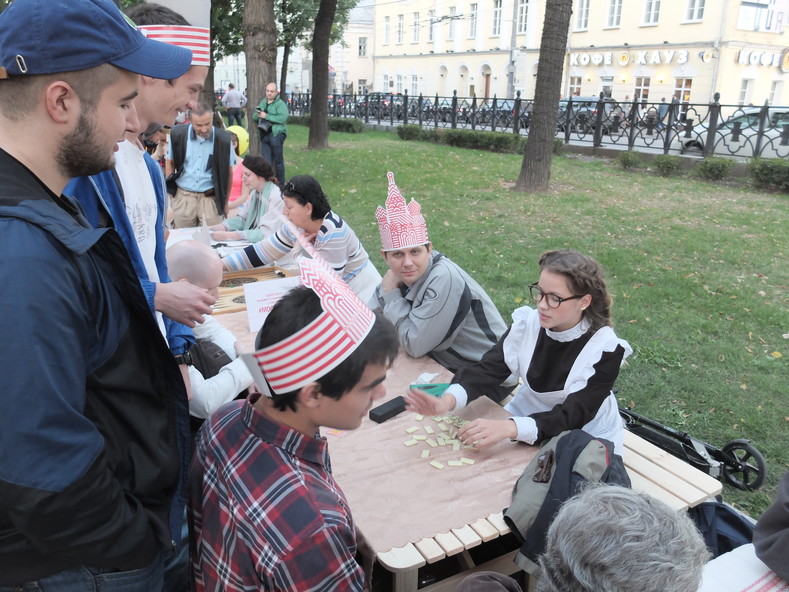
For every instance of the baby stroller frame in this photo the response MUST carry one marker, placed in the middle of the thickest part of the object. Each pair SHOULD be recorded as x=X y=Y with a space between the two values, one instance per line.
x=738 y=462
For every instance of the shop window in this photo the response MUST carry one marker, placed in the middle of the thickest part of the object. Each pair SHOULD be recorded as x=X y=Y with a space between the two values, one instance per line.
x=575 y=86
x=641 y=91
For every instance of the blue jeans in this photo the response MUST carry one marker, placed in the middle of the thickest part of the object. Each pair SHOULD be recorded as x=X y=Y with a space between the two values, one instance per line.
x=234 y=114
x=271 y=150
x=88 y=579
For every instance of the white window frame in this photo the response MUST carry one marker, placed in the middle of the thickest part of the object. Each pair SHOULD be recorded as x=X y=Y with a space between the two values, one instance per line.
x=472 y=20
x=362 y=47
x=387 y=30
x=399 y=84
x=431 y=17
x=776 y=90
x=451 y=24
x=641 y=89
x=415 y=29
x=695 y=11
x=400 y=28
x=414 y=86
x=496 y=30
x=523 y=16
x=746 y=91
x=651 y=12
x=575 y=85
x=582 y=18
x=614 y=13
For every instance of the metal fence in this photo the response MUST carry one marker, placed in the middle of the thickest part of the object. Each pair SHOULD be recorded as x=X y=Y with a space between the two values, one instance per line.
x=703 y=129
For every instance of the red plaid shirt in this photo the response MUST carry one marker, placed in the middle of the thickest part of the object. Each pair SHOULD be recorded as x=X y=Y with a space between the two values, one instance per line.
x=265 y=511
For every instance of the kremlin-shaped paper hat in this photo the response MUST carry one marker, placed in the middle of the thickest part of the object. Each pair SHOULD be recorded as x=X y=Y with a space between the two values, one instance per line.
x=401 y=226
x=315 y=350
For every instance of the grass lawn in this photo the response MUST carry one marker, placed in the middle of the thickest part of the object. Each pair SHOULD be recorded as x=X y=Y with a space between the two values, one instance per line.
x=699 y=271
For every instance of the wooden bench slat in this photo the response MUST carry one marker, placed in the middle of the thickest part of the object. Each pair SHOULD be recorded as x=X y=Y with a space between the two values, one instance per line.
x=497 y=520
x=467 y=536
x=404 y=558
x=485 y=530
x=449 y=542
x=430 y=550
x=644 y=485
x=663 y=478
x=685 y=471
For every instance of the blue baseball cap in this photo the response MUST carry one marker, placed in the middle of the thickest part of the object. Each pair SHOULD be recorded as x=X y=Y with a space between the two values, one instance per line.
x=49 y=37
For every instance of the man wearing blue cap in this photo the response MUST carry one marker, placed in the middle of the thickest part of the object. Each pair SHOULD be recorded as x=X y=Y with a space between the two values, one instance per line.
x=92 y=432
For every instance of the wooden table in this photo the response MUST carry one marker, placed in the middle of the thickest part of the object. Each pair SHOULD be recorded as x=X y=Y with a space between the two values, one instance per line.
x=376 y=492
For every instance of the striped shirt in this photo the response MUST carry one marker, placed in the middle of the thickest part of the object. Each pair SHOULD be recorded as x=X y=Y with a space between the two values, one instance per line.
x=265 y=511
x=336 y=242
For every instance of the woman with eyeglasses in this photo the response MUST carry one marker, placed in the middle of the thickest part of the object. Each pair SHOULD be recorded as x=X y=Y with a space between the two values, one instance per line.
x=565 y=352
x=307 y=207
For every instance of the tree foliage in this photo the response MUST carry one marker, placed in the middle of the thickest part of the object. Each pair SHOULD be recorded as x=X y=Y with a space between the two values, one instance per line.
x=536 y=167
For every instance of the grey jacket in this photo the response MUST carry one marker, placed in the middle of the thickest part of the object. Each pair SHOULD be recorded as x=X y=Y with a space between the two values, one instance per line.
x=445 y=314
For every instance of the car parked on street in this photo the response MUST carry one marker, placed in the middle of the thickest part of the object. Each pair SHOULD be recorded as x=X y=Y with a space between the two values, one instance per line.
x=739 y=134
x=580 y=114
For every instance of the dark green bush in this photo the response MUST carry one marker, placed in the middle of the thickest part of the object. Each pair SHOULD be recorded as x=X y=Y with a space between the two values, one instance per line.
x=336 y=124
x=298 y=119
x=630 y=160
x=409 y=132
x=770 y=173
x=346 y=125
x=668 y=165
x=713 y=168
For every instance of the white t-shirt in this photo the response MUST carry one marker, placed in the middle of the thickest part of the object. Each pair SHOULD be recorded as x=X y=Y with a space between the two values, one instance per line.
x=141 y=208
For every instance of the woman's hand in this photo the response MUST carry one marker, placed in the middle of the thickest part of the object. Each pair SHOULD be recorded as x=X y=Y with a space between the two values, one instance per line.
x=420 y=402
x=486 y=432
x=225 y=235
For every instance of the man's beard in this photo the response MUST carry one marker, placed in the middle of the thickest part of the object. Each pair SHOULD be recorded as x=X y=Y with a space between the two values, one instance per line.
x=79 y=155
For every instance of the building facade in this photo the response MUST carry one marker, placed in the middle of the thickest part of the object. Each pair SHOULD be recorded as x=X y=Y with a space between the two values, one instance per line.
x=646 y=49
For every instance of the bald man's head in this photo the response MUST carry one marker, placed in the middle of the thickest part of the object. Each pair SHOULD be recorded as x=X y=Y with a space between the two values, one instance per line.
x=196 y=263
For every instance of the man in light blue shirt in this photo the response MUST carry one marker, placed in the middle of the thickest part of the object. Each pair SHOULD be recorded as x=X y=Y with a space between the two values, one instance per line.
x=199 y=170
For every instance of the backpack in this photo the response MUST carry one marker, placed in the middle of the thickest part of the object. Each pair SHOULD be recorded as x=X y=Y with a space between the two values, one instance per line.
x=554 y=475
x=723 y=528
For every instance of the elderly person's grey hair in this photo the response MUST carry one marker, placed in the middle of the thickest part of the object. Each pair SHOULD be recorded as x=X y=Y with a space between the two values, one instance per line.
x=613 y=539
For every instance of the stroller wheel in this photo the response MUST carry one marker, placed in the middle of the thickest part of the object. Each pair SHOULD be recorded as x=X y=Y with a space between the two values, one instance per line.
x=743 y=466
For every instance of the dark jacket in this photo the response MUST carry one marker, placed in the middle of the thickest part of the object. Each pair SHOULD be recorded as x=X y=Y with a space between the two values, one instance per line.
x=103 y=193
x=93 y=433
x=220 y=167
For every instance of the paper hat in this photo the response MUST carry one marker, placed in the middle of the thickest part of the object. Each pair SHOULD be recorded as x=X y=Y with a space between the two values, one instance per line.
x=195 y=39
x=326 y=342
x=44 y=37
x=400 y=226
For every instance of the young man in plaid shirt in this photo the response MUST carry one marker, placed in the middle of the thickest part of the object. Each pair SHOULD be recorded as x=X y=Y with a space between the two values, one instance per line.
x=264 y=509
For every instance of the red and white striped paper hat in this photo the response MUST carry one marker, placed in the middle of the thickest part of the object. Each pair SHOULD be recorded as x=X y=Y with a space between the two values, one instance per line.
x=326 y=342
x=400 y=226
x=196 y=39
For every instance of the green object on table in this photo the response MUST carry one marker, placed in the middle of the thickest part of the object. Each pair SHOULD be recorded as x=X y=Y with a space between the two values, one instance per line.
x=434 y=389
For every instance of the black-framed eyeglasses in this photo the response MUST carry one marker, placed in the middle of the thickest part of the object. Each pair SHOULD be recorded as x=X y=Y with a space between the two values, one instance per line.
x=552 y=300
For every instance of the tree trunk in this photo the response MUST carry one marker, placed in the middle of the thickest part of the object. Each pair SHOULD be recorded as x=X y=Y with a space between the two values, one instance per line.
x=260 y=48
x=283 y=73
x=319 y=122
x=536 y=167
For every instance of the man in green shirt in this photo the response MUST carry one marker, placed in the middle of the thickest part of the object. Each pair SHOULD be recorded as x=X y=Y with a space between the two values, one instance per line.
x=270 y=117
